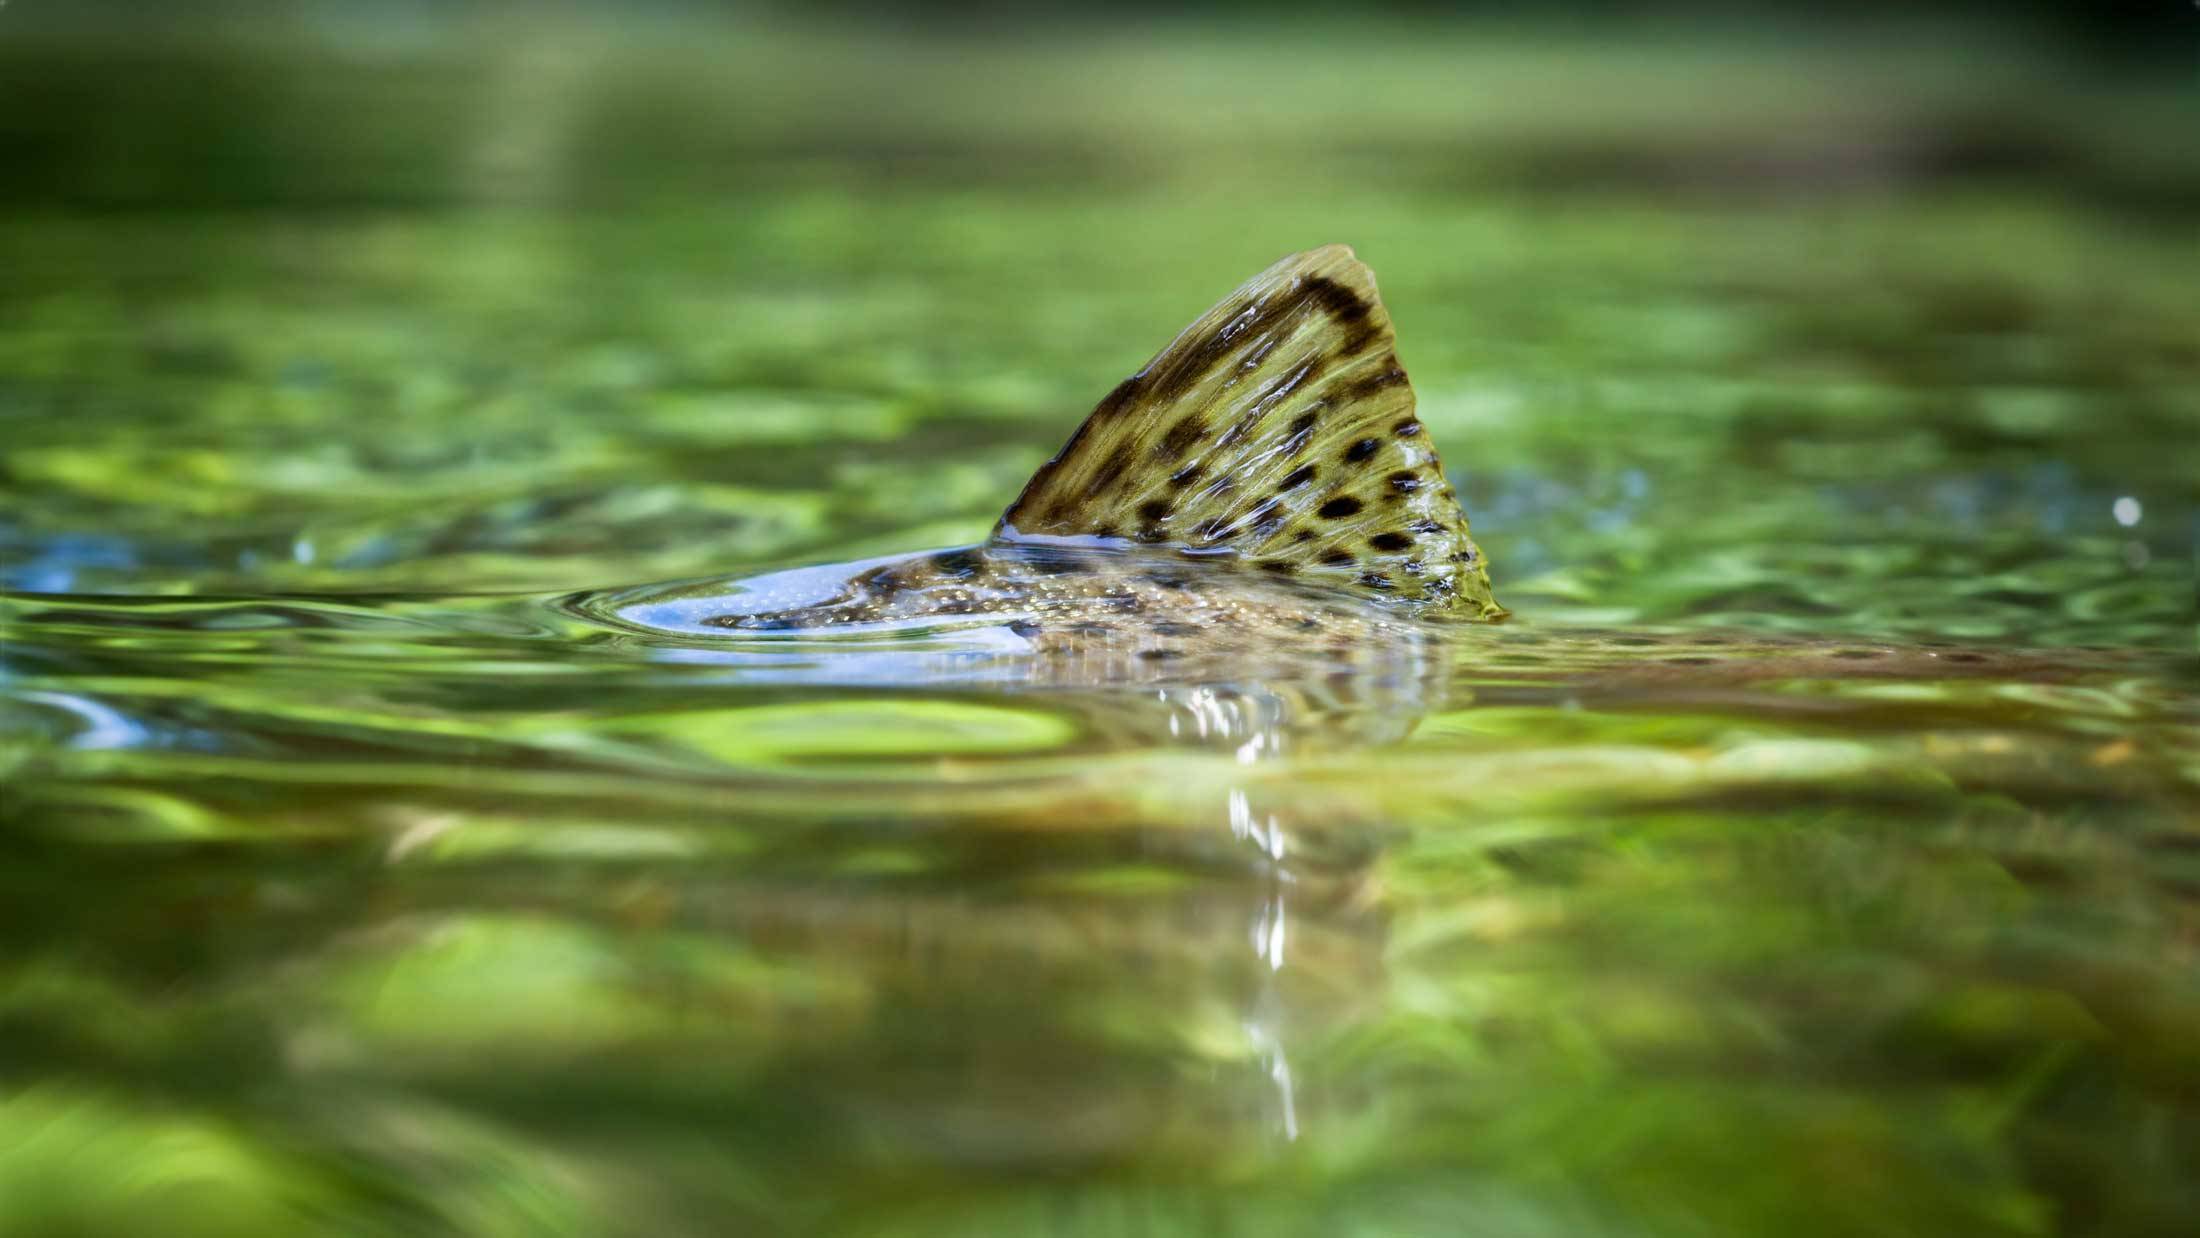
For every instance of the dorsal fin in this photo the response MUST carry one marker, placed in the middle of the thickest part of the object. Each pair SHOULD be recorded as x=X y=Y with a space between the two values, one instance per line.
x=1279 y=428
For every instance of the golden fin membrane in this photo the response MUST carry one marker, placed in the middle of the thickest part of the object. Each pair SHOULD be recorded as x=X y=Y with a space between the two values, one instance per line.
x=1278 y=429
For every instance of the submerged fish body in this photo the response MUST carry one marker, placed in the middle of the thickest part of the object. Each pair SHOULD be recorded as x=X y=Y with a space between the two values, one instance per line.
x=1090 y=613
x=1201 y=651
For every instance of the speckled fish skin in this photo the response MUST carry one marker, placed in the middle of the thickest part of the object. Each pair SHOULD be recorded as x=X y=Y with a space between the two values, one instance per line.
x=1093 y=614
x=1208 y=654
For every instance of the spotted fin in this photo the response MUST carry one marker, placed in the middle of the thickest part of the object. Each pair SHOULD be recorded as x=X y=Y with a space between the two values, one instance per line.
x=1278 y=429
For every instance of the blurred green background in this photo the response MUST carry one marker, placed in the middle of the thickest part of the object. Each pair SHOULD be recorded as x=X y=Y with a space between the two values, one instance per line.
x=348 y=887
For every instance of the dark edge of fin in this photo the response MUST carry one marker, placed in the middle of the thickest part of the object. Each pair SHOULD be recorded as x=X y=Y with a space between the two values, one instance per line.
x=1279 y=428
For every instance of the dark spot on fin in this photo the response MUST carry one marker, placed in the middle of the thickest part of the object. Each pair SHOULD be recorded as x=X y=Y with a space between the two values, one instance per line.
x=1180 y=438
x=1118 y=400
x=1111 y=470
x=1342 y=303
x=1391 y=375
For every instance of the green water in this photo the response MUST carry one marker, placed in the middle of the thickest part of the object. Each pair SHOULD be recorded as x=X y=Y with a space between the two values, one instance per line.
x=353 y=881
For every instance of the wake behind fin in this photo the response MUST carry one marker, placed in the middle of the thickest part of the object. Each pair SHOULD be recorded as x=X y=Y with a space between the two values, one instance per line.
x=1279 y=428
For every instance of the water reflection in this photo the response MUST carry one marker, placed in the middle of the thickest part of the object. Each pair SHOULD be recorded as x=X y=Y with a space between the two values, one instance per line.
x=816 y=910
x=1265 y=1026
x=1266 y=1023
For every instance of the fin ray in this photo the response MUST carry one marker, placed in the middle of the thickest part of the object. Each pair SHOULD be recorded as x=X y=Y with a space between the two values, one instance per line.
x=1278 y=428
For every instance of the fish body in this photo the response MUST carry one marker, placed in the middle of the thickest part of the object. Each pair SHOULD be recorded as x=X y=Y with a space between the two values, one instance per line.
x=1097 y=616
x=1076 y=613
x=1206 y=652
x=1259 y=494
